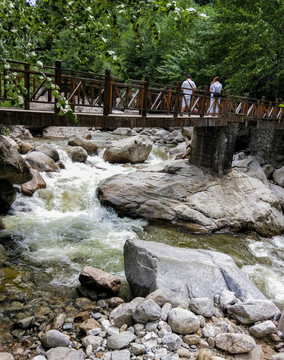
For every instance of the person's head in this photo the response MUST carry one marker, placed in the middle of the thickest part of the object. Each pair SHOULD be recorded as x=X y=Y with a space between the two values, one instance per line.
x=217 y=78
x=188 y=76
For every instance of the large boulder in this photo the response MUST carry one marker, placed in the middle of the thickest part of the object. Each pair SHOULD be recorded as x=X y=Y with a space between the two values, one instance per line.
x=185 y=195
x=7 y=196
x=2 y=226
x=88 y=145
x=78 y=154
x=41 y=162
x=178 y=151
x=48 y=150
x=33 y=185
x=25 y=147
x=183 y=274
x=132 y=150
x=64 y=132
x=123 y=131
x=13 y=166
x=13 y=143
x=19 y=132
x=278 y=176
x=279 y=191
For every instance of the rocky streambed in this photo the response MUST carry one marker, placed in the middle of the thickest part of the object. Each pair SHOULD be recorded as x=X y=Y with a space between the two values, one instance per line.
x=151 y=327
x=172 y=192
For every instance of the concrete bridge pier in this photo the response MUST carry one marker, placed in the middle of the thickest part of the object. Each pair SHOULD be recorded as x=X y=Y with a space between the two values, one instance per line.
x=213 y=147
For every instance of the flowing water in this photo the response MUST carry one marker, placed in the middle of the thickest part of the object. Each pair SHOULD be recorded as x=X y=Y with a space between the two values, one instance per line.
x=62 y=228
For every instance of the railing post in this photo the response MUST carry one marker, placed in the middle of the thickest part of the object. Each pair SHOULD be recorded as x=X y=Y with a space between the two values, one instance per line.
x=107 y=93
x=203 y=101
x=5 y=92
x=169 y=99
x=276 y=108
x=113 y=90
x=146 y=87
x=83 y=92
x=57 y=80
x=49 y=95
x=177 y=101
x=73 y=87
x=257 y=111
x=245 y=104
x=227 y=102
x=127 y=96
x=262 y=107
x=27 y=86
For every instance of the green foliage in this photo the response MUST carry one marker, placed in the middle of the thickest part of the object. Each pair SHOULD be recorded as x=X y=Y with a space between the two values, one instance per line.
x=60 y=101
x=239 y=40
x=4 y=130
x=156 y=41
x=16 y=90
x=243 y=44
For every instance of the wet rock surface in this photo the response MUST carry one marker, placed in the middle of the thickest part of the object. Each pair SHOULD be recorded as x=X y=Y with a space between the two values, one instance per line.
x=175 y=193
x=36 y=183
x=99 y=280
x=13 y=167
x=88 y=145
x=41 y=162
x=185 y=274
x=132 y=150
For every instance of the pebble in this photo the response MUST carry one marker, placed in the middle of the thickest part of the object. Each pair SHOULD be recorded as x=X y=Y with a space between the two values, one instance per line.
x=177 y=334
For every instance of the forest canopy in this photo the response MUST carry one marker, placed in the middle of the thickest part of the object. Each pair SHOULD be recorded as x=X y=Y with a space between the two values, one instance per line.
x=239 y=40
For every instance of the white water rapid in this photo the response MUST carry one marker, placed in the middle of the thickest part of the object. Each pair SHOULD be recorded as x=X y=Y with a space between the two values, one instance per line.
x=63 y=228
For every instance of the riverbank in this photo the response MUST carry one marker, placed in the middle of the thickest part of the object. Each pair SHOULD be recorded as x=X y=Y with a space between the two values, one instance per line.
x=148 y=328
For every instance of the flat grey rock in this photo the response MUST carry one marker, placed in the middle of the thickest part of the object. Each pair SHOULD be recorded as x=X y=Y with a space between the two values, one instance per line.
x=183 y=274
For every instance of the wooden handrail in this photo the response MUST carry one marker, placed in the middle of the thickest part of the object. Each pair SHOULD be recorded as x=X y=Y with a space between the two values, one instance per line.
x=80 y=87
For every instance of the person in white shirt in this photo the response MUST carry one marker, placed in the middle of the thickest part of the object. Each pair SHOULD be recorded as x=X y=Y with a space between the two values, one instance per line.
x=215 y=90
x=187 y=86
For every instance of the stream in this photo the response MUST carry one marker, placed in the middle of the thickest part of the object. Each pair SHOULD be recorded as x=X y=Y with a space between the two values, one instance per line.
x=52 y=235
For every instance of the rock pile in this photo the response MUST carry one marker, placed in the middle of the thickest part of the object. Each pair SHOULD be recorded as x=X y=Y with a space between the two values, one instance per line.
x=152 y=328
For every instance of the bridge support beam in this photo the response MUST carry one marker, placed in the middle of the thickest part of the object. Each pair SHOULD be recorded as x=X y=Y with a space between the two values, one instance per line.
x=213 y=147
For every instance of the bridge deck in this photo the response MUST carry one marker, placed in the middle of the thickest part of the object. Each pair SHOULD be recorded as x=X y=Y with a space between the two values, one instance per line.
x=36 y=118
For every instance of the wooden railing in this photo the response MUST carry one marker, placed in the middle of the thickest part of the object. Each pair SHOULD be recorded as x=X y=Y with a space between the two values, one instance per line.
x=86 y=91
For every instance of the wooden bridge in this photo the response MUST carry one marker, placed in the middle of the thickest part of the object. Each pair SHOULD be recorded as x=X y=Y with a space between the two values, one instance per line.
x=103 y=101
x=106 y=102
